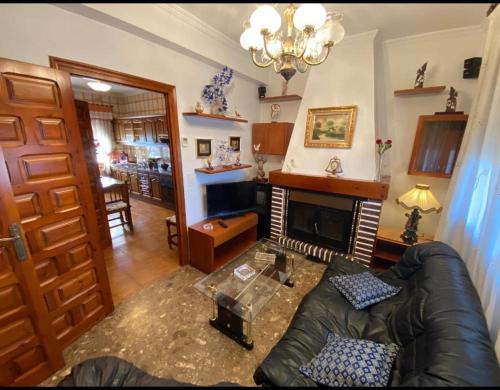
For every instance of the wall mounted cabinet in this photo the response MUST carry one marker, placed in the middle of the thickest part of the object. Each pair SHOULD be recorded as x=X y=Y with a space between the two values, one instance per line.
x=139 y=129
x=436 y=145
x=273 y=137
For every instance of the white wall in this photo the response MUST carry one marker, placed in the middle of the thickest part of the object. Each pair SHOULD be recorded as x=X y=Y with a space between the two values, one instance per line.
x=346 y=78
x=445 y=52
x=36 y=31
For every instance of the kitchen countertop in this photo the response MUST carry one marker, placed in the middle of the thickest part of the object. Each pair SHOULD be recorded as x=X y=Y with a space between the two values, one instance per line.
x=135 y=167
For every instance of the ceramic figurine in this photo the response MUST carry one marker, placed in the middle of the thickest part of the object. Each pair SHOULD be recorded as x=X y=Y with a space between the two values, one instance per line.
x=199 y=107
x=237 y=163
x=260 y=160
x=284 y=88
x=419 y=81
x=209 y=162
x=275 y=112
x=236 y=113
x=451 y=102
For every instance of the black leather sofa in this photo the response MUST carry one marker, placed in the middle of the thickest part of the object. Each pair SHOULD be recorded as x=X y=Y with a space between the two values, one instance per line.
x=111 y=371
x=436 y=319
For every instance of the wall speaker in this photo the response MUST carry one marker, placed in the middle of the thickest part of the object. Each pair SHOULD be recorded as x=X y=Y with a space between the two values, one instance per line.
x=472 y=67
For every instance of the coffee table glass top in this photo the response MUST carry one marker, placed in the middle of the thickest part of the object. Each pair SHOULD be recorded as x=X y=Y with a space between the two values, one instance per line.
x=246 y=298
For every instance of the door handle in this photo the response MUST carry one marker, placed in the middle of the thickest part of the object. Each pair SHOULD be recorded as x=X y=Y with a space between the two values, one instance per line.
x=15 y=237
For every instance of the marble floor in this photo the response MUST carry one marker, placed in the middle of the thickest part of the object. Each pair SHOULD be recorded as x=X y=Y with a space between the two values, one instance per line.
x=135 y=260
x=164 y=330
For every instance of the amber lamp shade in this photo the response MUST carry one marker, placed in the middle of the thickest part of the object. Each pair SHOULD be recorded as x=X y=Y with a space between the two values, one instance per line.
x=418 y=199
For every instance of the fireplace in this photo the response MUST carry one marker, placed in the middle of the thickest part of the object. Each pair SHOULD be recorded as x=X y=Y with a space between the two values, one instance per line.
x=322 y=216
x=322 y=219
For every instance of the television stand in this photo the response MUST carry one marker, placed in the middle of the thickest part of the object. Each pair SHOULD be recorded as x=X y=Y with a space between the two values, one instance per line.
x=211 y=249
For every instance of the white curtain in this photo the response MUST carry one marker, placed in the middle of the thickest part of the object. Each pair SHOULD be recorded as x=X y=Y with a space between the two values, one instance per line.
x=471 y=221
x=102 y=130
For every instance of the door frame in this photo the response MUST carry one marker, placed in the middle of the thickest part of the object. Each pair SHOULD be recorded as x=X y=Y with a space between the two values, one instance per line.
x=86 y=70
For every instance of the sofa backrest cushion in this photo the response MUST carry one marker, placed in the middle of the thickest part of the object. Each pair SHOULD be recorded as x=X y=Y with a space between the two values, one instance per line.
x=441 y=327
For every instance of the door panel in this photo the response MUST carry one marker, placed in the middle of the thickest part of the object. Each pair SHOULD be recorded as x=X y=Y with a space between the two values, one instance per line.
x=52 y=199
x=27 y=340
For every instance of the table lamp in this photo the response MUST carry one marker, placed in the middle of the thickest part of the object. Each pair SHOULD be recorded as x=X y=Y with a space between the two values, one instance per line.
x=417 y=199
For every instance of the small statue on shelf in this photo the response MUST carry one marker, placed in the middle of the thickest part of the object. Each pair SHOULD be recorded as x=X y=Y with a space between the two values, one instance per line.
x=199 y=107
x=275 y=112
x=237 y=158
x=419 y=81
x=209 y=162
x=451 y=102
x=260 y=160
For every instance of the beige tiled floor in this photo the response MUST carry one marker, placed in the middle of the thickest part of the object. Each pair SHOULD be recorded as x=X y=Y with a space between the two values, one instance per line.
x=135 y=260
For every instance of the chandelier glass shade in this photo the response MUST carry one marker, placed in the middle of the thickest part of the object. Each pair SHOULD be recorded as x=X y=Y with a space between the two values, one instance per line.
x=310 y=33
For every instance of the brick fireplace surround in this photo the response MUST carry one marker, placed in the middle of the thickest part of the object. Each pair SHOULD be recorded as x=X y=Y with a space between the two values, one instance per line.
x=371 y=194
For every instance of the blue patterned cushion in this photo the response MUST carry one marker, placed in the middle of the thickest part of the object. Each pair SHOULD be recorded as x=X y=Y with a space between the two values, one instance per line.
x=351 y=362
x=363 y=289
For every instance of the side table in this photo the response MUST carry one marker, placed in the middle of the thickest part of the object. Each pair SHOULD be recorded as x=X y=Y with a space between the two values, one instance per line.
x=389 y=247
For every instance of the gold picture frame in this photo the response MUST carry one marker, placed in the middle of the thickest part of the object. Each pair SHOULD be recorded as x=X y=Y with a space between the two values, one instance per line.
x=330 y=127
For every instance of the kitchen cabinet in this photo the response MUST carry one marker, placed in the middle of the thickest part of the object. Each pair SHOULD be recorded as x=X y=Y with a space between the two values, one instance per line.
x=134 y=183
x=139 y=129
x=273 y=137
x=155 y=187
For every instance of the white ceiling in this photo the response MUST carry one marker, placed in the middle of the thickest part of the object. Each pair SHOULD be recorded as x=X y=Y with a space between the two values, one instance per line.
x=80 y=83
x=393 y=20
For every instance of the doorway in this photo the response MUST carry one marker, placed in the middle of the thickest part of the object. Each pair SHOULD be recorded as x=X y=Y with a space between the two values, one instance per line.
x=128 y=154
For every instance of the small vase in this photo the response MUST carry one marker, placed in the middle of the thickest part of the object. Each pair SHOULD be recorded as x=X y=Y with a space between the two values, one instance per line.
x=379 y=168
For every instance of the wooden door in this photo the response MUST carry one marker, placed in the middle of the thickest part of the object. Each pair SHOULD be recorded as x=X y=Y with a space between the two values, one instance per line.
x=84 y=123
x=259 y=136
x=47 y=176
x=27 y=339
x=118 y=130
x=149 y=128
x=134 y=183
x=139 y=131
x=278 y=137
x=155 y=187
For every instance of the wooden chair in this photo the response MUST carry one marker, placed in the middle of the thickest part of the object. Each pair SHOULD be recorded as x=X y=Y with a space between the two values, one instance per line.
x=118 y=202
x=172 y=238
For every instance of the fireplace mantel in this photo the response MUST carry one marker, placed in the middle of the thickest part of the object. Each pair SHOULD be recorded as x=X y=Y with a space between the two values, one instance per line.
x=362 y=188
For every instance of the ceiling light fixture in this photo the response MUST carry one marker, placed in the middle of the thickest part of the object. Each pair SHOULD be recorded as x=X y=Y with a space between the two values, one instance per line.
x=99 y=86
x=310 y=34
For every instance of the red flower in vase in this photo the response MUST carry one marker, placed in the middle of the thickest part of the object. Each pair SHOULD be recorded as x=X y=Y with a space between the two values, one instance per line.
x=378 y=141
x=388 y=142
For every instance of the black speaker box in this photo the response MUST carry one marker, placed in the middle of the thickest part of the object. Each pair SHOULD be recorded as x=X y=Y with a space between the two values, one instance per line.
x=472 y=67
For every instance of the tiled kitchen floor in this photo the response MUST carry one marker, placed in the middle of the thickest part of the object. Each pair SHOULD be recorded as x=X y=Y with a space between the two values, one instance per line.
x=135 y=260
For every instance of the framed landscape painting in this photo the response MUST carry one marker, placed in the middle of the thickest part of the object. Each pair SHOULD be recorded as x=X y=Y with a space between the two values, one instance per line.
x=330 y=127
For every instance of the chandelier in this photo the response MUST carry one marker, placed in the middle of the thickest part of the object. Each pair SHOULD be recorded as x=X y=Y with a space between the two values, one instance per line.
x=310 y=34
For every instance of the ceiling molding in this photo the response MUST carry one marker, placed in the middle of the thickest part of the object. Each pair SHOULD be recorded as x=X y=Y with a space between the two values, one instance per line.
x=431 y=33
x=136 y=25
x=200 y=25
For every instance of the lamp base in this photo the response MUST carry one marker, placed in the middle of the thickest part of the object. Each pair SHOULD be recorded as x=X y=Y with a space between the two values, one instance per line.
x=409 y=236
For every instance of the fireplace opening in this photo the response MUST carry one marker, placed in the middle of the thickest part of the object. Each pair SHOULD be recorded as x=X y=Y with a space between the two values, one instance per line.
x=324 y=220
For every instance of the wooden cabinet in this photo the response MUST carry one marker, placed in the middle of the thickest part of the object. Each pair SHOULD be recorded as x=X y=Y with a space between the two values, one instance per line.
x=155 y=187
x=389 y=247
x=273 y=137
x=436 y=145
x=134 y=183
x=139 y=129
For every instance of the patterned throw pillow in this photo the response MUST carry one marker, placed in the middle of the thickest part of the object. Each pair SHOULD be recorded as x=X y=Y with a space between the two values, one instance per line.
x=351 y=362
x=363 y=289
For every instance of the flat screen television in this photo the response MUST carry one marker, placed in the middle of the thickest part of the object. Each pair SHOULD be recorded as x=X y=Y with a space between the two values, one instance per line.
x=230 y=199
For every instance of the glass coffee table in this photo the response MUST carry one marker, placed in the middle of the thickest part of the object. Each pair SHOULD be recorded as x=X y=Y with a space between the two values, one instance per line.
x=242 y=287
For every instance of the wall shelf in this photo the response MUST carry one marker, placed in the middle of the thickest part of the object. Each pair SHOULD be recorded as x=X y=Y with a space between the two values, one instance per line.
x=216 y=116
x=220 y=169
x=419 y=91
x=282 y=98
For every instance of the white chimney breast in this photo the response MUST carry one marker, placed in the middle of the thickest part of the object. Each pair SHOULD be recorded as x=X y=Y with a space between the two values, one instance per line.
x=346 y=78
